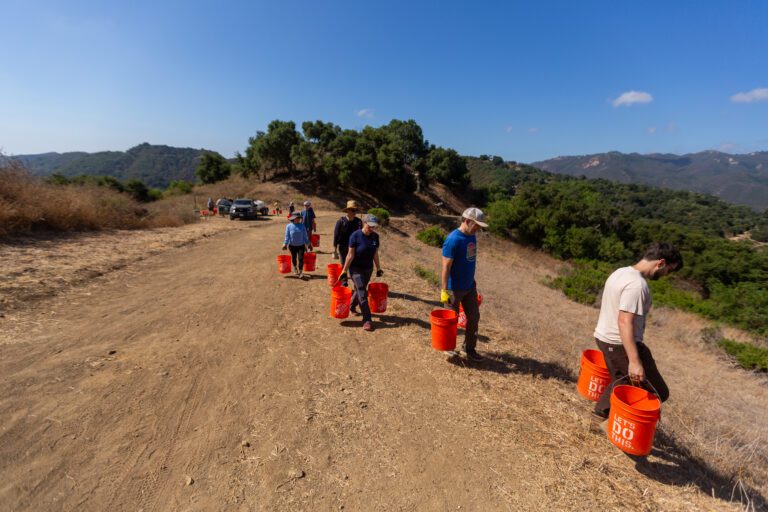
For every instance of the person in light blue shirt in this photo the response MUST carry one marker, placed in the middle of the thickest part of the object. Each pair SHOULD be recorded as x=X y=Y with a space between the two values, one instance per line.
x=457 y=278
x=296 y=239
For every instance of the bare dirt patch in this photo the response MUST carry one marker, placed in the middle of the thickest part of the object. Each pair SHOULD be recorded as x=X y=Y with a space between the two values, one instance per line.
x=200 y=379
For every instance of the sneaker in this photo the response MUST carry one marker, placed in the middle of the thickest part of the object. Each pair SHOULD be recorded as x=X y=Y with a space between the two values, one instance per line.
x=367 y=326
x=300 y=274
x=355 y=312
x=472 y=355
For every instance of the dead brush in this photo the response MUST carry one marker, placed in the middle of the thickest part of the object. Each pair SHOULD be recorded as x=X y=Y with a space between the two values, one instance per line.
x=28 y=203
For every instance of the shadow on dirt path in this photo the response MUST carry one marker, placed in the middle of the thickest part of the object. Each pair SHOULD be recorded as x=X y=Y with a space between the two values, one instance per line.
x=681 y=468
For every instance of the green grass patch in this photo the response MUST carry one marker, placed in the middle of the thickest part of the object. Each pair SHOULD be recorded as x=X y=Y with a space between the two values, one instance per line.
x=433 y=235
x=427 y=275
x=748 y=356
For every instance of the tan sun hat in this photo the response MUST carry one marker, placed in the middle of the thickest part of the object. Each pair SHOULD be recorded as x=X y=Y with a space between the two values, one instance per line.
x=351 y=205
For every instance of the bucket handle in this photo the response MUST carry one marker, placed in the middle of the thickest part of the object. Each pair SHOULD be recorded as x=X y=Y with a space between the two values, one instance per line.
x=632 y=382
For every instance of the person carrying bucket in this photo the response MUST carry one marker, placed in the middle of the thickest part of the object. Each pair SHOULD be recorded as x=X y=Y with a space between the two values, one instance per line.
x=296 y=239
x=308 y=218
x=291 y=208
x=362 y=255
x=457 y=279
x=344 y=228
x=620 y=327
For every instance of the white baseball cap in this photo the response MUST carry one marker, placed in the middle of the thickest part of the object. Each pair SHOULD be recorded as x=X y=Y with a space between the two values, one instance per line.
x=476 y=215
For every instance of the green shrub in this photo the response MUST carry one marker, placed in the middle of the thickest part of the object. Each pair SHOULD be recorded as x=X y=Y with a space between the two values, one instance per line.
x=381 y=214
x=748 y=356
x=427 y=275
x=583 y=281
x=433 y=235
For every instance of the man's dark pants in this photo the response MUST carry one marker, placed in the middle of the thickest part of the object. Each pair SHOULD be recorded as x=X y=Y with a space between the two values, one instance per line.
x=618 y=366
x=297 y=252
x=468 y=299
x=361 y=278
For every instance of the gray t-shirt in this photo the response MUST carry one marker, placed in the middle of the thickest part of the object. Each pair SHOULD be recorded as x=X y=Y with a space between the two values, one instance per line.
x=625 y=290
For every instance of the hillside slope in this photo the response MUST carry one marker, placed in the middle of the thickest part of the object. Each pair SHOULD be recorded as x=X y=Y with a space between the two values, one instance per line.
x=740 y=179
x=155 y=165
x=201 y=379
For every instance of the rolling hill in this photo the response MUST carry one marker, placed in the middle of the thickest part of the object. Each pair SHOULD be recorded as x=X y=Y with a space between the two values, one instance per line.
x=155 y=165
x=740 y=179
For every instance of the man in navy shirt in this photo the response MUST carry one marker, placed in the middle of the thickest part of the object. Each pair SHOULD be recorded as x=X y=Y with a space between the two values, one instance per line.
x=308 y=218
x=362 y=255
x=344 y=228
x=457 y=278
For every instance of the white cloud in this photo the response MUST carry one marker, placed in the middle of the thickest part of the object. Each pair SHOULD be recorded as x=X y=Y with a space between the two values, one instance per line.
x=749 y=97
x=651 y=130
x=629 y=98
x=365 y=112
x=533 y=130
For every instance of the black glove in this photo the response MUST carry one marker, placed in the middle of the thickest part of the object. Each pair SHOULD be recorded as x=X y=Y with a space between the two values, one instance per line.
x=285 y=247
x=379 y=273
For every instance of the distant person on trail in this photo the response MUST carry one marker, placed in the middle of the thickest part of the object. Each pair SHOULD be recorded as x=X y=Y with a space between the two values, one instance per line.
x=457 y=279
x=210 y=204
x=296 y=239
x=623 y=312
x=344 y=228
x=362 y=255
x=308 y=218
x=291 y=208
x=278 y=210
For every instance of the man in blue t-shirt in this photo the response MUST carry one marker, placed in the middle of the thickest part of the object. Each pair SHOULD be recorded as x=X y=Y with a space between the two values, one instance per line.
x=362 y=255
x=457 y=279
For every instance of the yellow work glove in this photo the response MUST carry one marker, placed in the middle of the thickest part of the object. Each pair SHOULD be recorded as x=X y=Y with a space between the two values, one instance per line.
x=445 y=297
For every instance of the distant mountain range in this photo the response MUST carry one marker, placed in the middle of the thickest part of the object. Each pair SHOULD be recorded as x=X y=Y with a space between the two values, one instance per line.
x=740 y=179
x=155 y=165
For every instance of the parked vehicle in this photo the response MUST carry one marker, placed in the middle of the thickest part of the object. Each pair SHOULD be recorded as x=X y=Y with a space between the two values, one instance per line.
x=242 y=209
x=223 y=206
x=261 y=207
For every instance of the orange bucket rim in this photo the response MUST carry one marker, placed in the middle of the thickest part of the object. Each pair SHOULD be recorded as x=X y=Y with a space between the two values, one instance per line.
x=647 y=404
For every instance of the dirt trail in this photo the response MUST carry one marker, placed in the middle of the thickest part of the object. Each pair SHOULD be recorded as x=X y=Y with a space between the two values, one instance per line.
x=199 y=379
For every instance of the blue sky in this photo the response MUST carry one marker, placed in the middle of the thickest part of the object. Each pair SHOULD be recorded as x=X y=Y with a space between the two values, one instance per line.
x=524 y=80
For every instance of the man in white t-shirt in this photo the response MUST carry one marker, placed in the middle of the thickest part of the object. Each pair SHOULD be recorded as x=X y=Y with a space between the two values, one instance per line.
x=624 y=309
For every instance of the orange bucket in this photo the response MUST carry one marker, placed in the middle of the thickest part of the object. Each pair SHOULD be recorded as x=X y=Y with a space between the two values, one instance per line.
x=284 y=264
x=443 y=329
x=377 y=297
x=334 y=271
x=341 y=296
x=633 y=418
x=309 y=261
x=594 y=376
x=315 y=239
x=463 y=316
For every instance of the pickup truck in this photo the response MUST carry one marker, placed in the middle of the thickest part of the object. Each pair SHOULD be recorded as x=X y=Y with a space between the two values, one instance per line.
x=243 y=209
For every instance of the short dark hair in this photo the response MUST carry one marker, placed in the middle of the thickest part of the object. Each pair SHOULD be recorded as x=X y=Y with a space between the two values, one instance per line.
x=666 y=252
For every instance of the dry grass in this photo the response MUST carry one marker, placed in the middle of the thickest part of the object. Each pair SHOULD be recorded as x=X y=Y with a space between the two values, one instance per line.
x=30 y=204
